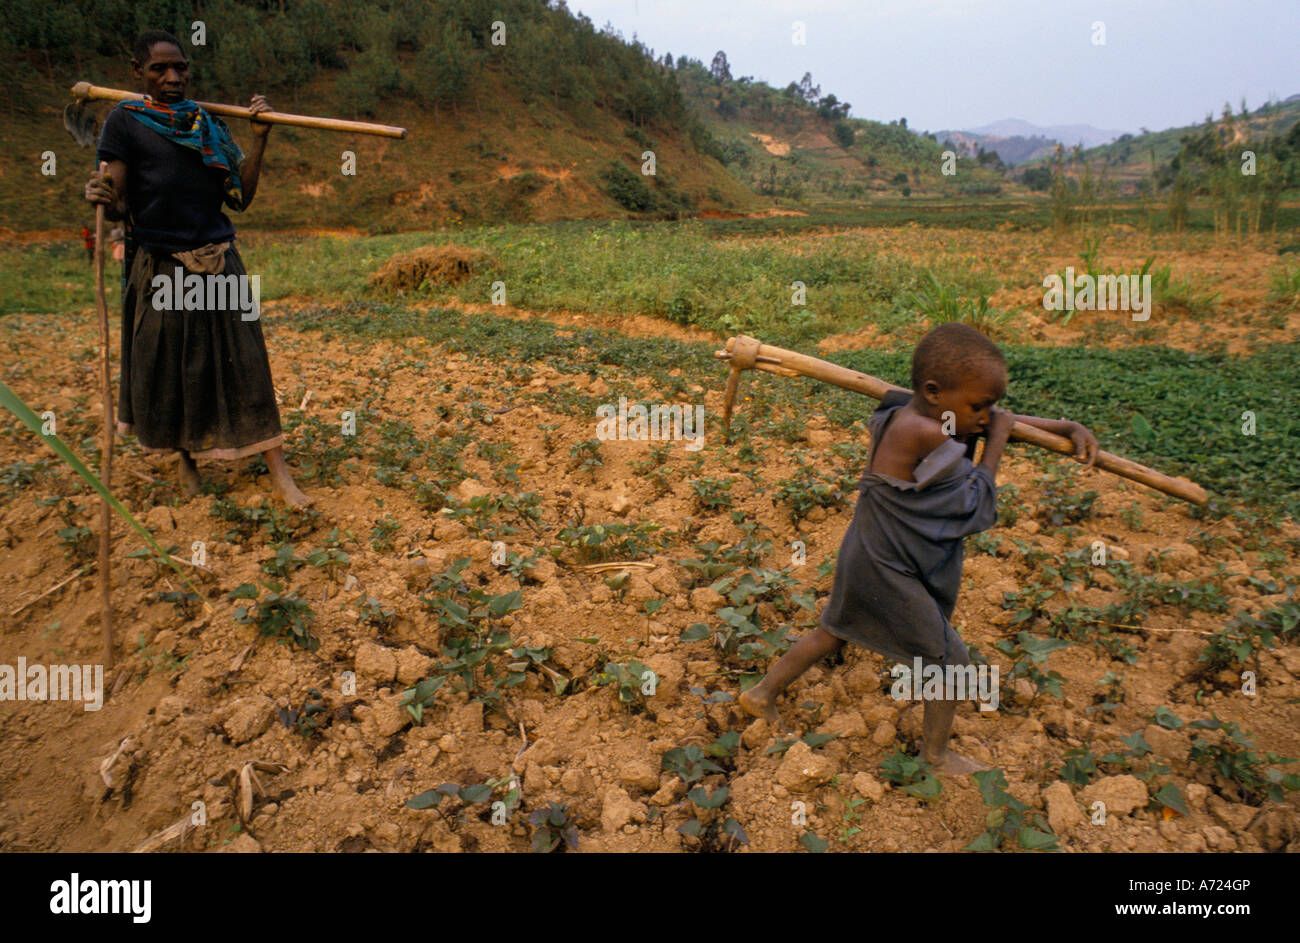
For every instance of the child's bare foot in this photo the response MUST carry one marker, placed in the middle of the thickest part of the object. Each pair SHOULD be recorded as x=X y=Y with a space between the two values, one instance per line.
x=282 y=482
x=760 y=704
x=188 y=473
x=951 y=763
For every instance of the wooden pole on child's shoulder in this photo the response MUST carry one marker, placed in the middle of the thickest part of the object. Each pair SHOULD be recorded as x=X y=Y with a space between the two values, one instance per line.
x=744 y=353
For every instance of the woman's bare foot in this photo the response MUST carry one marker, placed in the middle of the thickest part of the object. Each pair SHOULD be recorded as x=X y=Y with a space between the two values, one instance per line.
x=188 y=473
x=951 y=763
x=285 y=488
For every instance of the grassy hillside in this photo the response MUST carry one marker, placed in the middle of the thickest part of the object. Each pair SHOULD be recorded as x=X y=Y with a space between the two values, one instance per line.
x=1131 y=161
x=796 y=143
x=551 y=125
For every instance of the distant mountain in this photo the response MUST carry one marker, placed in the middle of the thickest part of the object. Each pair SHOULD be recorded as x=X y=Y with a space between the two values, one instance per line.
x=1067 y=134
x=1013 y=150
x=1017 y=142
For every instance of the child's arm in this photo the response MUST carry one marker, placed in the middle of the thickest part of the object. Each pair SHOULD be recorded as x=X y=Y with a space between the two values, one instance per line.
x=1085 y=443
x=999 y=431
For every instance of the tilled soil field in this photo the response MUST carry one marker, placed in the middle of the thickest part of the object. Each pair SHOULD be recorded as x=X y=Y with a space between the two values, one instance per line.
x=592 y=609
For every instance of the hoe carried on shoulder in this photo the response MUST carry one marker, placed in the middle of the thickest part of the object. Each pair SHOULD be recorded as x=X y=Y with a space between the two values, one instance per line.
x=745 y=353
x=82 y=126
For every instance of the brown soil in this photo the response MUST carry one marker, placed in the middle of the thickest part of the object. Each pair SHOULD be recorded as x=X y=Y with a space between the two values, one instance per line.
x=196 y=696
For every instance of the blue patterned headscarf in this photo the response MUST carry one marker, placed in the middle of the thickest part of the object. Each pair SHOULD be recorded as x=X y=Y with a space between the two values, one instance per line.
x=190 y=126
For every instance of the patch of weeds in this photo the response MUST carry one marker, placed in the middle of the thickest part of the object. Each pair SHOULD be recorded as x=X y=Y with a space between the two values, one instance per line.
x=914 y=775
x=713 y=494
x=283 y=563
x=1080 y=766
x=21 y=475
x=553 y=830
x=1008 y=818
x=329 y=560
x=708 y=830
x=1108 y=701
x=1133 y=759
x=304 y=720
x=318 y=449
x=278 y=614
x=939 y=303
x=185 y=601
x=740 y=636
x=480 y=512
x=77 y=539
x=631 y=681
x=808 y=488
x=585 y=456
x=689 y=763
x=613 y=540
x=381 y=535
x=1009 y=503
x=654 y=468
x=1059 y=506
x=1029 y=656
x=986 y=543
x=1132 y=516
x=472 y=641
x=374 y=614
x=1232 y=755
x=813 y=741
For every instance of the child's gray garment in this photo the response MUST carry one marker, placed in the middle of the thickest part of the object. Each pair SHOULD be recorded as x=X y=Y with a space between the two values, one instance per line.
x=899 y=565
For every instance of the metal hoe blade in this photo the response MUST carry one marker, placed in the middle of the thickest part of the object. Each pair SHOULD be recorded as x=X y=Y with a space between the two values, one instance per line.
x=79 y=121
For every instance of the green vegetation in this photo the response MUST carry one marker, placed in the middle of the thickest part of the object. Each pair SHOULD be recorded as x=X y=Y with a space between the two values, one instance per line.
x=1008 y=818
x=913 y=774
x=279 y=614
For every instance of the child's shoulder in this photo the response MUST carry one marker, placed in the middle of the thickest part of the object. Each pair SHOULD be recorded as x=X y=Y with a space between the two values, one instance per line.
x=912 y=434
x=902 y=443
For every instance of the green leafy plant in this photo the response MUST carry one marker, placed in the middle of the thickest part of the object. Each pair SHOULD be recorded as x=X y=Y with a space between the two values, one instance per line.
x=1232 y=755
x=689 y=763
x=305 y=720
x=381 y=535
x=809 y=488
x=628 y=680
x=283 y=563
x=708 y=830
x=329 y=560
x=1029 y=655
x=913 y=774
x=613 y=540
x=552 y=829
x=585 y=455
x=278 y=614
x=712 y=494
x=1008 y=818
x=472 y=641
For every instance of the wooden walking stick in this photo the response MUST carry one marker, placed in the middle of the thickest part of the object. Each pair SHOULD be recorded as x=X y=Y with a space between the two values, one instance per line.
x=744 y=353
x=84 y=91
x=106 y=447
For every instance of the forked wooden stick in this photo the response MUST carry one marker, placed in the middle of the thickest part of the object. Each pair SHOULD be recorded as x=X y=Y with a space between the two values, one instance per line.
x=84 y=90
x=106 y=446
x=744 y=353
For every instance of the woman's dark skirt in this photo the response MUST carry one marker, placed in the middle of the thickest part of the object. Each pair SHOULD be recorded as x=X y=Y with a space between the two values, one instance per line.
x=197 y=380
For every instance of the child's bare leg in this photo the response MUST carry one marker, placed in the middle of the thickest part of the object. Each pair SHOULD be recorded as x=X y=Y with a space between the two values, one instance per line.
x=282 y=481
x=760 y=700
x=188 y=473
x=937 y=729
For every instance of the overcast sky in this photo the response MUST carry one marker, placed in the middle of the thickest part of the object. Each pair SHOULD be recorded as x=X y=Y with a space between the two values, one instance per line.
x=965 y=63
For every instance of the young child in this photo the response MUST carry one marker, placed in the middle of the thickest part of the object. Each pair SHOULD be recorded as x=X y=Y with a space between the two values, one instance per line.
x=899 y=565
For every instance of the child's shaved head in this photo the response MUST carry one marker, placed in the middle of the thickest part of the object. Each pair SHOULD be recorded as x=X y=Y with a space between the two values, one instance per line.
x=950 y=353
